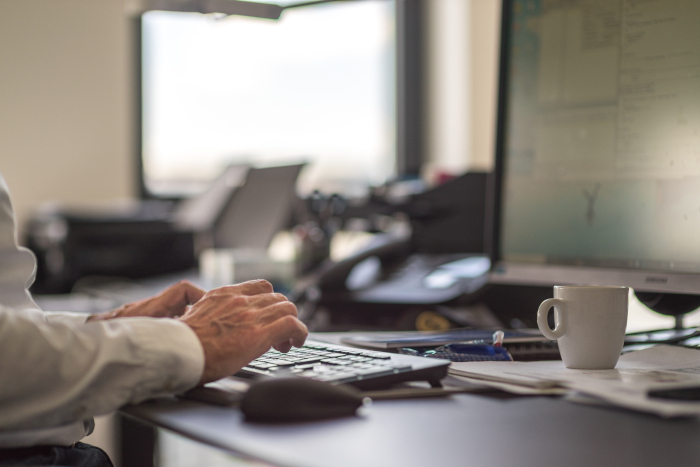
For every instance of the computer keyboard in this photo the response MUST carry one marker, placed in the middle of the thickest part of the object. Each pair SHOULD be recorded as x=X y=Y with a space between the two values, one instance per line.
x=338 y=364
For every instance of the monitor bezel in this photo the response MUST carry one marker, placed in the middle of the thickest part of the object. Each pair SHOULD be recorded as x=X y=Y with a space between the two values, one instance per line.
x=515 y=273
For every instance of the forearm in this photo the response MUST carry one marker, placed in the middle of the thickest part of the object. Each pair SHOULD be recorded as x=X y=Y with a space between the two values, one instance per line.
x=58 y=372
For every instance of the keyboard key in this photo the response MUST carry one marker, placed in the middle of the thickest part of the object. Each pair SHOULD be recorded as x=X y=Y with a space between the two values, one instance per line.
x=266 y=366
x=316 y=346
x=336 y=361
x=292 y=359
x=364 y=365
x=306 y=366
x=361 y=359
x=310 y=360
x=280 y=362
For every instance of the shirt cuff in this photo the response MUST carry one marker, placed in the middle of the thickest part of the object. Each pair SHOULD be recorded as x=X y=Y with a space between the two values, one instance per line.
x=174 y=349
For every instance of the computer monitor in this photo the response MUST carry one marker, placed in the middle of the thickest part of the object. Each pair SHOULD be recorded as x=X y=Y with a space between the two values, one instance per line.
x=598 y=147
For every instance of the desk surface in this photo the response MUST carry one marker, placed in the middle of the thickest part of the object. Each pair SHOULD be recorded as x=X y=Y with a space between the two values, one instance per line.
x=465 y=429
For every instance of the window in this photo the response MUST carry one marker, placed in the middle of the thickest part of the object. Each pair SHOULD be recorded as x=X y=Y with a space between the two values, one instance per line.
x=316 y=86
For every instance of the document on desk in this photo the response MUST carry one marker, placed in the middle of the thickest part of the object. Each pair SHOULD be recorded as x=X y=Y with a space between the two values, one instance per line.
x=628 y=385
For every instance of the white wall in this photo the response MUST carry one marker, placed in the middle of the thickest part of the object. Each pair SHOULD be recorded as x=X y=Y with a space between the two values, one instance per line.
x=485 y=27
x=65 y=101
x=65 y=107
x=462 y=76
x=448 y=80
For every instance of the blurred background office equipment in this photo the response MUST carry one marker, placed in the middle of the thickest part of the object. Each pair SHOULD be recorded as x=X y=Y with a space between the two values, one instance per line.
x=135 y=241
x=437 y=258
x=258 y=209
x=243 y=209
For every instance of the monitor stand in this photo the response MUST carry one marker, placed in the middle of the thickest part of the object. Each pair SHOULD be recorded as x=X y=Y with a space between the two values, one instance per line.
x=676 y=305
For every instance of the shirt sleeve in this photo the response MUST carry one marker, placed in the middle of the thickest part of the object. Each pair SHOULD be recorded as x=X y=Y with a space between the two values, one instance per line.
x=56 y=371
x=66 y=317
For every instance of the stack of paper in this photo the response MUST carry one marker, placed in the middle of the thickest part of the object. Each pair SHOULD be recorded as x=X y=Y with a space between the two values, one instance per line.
x=628 y=385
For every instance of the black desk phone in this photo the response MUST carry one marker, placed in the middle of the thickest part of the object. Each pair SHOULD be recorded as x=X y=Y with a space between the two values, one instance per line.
x=388 y=286
x=442 y=259
x=394 y=273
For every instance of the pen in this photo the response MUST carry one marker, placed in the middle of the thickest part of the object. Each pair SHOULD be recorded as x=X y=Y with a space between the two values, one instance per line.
x=498 y=338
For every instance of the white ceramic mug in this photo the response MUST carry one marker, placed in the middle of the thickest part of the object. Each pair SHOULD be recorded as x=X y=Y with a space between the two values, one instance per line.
x=590 y=323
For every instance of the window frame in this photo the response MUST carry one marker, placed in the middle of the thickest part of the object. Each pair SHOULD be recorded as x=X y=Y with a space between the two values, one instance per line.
x=410 y=94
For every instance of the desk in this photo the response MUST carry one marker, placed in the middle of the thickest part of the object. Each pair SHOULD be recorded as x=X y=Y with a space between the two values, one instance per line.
x=462 y=430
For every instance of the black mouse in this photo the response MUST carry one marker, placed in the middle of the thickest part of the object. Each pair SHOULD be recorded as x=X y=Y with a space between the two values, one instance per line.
x=297 y=400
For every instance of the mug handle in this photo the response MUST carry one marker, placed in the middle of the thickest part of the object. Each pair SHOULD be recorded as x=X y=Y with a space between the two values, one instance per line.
x=542 y=323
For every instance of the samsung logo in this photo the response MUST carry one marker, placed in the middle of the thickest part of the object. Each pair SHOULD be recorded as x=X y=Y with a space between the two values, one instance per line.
x=656 y=280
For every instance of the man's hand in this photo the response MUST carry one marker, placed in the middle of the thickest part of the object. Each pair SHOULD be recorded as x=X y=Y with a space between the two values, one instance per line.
x=170 y=303
x=237 y=324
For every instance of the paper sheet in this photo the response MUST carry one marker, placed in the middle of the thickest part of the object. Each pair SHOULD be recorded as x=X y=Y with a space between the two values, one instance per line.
x=517 y=388
x=636 y=373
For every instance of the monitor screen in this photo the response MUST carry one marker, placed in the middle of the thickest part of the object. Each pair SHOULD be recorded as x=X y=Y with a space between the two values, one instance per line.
x=598 y=150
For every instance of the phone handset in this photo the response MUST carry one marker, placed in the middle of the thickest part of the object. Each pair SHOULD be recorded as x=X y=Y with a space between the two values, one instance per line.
x=348 y=273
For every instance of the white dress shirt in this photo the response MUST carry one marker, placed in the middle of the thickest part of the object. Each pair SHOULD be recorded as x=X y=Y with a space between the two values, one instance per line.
x=57 y=371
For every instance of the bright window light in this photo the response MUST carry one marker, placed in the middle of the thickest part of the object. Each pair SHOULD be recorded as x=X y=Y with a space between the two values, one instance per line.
x=317 y=86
